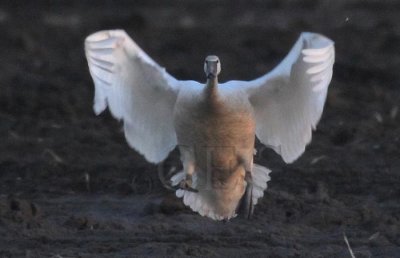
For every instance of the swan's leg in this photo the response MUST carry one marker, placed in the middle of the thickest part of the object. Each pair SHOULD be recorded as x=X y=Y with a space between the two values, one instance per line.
x=187 y=183
x=247 y=205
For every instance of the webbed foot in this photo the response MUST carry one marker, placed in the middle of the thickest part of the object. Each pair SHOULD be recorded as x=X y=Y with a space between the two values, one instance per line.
x=186 y=184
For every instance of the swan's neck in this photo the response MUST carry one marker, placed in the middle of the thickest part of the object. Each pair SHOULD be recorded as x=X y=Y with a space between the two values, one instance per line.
x=211 y=89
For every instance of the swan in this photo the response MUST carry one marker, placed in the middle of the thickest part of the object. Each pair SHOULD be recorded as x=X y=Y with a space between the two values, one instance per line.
x=213 y=124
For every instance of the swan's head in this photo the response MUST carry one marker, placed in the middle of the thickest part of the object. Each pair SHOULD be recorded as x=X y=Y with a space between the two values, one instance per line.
x=212 y=66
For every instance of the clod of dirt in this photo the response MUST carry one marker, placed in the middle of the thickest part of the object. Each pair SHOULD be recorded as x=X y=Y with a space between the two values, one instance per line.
x=79 y=223
x=171 y=204
x=342 y=137
x=19 y=211
x=167 y=205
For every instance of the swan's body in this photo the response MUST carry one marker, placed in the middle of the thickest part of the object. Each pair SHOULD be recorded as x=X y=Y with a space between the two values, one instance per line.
x=213 y=124
x=218 y=147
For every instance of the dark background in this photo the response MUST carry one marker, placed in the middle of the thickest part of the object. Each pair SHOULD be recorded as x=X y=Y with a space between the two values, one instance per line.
x=347 y=181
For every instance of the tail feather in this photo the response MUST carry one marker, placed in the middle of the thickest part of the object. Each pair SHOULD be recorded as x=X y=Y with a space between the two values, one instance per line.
x=260 y=179
x=199 y=202
x=202 y=202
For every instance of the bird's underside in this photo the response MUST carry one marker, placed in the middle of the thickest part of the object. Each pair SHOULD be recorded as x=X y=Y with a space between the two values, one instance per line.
x=214 y=124
x=217 y=153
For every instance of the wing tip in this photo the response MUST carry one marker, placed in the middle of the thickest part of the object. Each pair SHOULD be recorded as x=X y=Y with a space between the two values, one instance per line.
x=150 y=155
x=312 y=36
x=98 y=109
x=99 y=106
x=103 y=35
x=316 y=44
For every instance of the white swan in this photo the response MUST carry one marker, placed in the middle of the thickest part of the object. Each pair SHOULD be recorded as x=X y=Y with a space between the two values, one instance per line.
x=214 y=125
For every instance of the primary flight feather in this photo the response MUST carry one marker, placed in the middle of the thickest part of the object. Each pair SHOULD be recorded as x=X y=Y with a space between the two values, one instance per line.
x=213 y=124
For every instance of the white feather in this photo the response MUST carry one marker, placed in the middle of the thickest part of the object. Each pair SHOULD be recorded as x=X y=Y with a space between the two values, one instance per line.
x=288 y=101
x=260 y=180
x=136 y=90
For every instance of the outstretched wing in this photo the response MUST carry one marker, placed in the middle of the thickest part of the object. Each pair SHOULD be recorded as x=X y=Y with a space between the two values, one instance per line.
x=288 y=102
x=136 y=90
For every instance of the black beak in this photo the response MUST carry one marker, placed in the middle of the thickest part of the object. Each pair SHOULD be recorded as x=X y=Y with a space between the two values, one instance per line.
x=210 y=75
x=212 y=69
x=246 y=206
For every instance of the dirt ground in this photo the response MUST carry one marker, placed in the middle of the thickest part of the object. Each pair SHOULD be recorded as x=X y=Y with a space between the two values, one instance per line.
x=347 y=181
